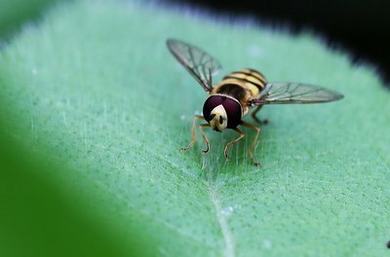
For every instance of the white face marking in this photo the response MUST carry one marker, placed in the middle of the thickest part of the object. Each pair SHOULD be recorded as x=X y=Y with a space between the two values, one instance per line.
x=219 y=121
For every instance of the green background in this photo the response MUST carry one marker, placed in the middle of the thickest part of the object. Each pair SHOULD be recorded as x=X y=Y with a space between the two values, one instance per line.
x=15 y=13
x=94 y=110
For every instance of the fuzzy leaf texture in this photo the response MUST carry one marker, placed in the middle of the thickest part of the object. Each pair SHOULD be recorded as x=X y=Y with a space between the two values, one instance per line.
x=92 y=90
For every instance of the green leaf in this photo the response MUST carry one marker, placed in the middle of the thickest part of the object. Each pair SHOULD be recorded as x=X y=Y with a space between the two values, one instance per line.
x=94 y=89
x=13 y=13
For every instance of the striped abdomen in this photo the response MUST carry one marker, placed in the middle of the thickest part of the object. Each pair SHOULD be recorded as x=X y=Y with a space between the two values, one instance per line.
x=243 y=85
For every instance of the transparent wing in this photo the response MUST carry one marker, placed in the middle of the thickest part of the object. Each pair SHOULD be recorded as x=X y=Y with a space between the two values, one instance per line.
x=197 y=62
x=295 y=93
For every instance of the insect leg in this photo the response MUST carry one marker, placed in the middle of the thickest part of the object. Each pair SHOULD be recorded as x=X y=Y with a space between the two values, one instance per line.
x=253 y=145
x=228 y=145
x=193 y=135
x=262 y=122
x=206 y=141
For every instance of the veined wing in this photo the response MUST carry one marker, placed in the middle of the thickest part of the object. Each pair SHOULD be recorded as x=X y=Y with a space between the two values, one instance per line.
x=295 y=93
x=196 y=61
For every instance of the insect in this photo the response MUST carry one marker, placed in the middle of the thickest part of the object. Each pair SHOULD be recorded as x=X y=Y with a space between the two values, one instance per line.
x=240 y=91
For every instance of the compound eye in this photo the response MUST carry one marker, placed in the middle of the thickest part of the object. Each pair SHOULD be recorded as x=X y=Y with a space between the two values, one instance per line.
x=220 y=119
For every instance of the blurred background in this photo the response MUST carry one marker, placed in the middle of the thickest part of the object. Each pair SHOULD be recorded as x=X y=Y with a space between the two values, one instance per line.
x=360 y=27
x=13 y=13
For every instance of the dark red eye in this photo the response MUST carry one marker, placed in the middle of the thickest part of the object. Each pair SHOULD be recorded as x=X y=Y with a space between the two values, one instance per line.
x=232 y=107
x=233 y=111
x=220 y=119
x=210 y=104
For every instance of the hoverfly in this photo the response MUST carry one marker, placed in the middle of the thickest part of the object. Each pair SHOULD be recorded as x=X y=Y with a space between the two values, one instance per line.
x=231 y=99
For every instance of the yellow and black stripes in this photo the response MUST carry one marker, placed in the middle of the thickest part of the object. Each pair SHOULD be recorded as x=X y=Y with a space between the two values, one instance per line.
x=243 y=85
x=249 y=76
x=248 y=81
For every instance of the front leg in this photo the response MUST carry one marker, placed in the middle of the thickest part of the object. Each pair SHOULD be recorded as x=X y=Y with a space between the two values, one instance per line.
x=193 y=134
x=206 y=141
x=228 y=145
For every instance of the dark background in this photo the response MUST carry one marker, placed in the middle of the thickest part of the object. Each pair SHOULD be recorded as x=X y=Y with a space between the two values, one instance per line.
x=361 y=27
